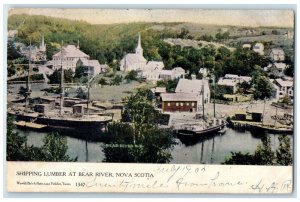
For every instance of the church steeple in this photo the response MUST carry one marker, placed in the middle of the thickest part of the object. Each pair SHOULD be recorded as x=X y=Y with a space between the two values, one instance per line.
x=42 y=44
x=139 y=49
x=77 y=44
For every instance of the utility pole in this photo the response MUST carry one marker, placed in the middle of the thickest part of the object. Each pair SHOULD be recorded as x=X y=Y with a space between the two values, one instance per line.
x=61 y=81
x=27 y=93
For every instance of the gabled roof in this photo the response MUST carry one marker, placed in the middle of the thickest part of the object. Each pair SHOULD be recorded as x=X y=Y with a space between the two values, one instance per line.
x=191 y=86
x=284 y=83
x=155 y=65
x=178 y=97
x=132 y=58
x=227 y=82
x=71 y=51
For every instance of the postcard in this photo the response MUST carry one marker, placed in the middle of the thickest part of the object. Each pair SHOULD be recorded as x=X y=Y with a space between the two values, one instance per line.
x=150 y=100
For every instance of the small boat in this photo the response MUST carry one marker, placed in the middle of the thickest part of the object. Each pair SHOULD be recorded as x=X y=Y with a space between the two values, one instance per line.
x=30 y=125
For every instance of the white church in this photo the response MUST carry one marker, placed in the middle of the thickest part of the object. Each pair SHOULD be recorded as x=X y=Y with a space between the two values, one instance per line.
x=151 y=70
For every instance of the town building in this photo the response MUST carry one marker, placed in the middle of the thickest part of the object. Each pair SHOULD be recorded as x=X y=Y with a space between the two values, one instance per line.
x=195 y=87
x=134 y=61
x=179 y=102
x=34 y=53
x=92 y=67
x=229 y=83
x=151 y=70
x=68 y=57
x=282 y=88
x=277 y=55
x=258 y=48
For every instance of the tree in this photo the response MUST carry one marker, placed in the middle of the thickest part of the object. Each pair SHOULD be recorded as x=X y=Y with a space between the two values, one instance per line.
x=80 y=72
x=12 y=52
x=264 y=155
x=131 y=76
x=137 y=138
x=283 y=153
x=116 y=80
x=15 y=143
x=263 y=88
x=102 y=81
x=55 y=77
x=55 y=148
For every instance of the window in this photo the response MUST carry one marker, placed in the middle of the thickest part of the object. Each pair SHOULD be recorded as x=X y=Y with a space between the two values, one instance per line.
x=177 y=104
x=169 y=104
x=193 y=104
x=181 y=104
x=187 y=104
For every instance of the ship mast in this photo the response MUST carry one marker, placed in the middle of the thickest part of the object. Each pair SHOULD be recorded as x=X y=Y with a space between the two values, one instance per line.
x=27 y=94
x=88 y=93
x=203 y=92
x=214 y=81
x=61 y=81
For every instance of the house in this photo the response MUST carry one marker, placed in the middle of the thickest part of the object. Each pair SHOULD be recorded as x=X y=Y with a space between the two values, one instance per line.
x=152 y=70
x=34 y=53
x=195 y=87
x=282 y=88
x=134 y=61
x=158 y=91
x=68 y=57
x=230 y=82
x=175 y=73
x=92 y=67
x=258 y=48
x=179 y=102
x=279 y=66
x=277 y=54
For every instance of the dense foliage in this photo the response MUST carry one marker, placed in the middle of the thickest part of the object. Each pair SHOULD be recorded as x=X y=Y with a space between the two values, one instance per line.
x=54 y=147
x=137 y=138
x=264 y=155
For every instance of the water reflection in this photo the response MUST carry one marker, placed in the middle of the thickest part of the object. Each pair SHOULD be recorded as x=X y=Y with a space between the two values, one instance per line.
x=209 y=150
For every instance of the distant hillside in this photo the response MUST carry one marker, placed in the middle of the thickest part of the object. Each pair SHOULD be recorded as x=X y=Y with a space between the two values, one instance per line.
x=99 y=41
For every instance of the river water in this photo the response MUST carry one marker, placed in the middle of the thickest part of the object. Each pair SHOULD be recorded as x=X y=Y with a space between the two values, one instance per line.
x=212 y=150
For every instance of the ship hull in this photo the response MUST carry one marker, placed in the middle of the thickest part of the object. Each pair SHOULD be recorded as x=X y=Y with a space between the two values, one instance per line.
x=61 y=125
x=201 y=133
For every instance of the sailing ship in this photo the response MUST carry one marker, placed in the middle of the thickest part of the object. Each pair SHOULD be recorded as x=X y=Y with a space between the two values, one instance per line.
x=207 y=127
x=77 y=123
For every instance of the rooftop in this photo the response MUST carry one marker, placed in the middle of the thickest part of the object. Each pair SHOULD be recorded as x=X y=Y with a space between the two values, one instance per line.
x=191 y=86
x=178 y=97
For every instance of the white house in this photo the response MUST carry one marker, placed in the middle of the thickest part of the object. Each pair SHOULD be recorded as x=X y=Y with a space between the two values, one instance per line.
x=195 y=87
x=134 y=61
x=175 y=73
x=93 y=67
x=152 y=70
x=258 y=48
x=282 y=88
x=230 y=81
x=68 y=56
x=277 y=54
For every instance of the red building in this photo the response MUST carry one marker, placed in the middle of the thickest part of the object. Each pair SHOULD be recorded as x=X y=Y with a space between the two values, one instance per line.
x=178 y=102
